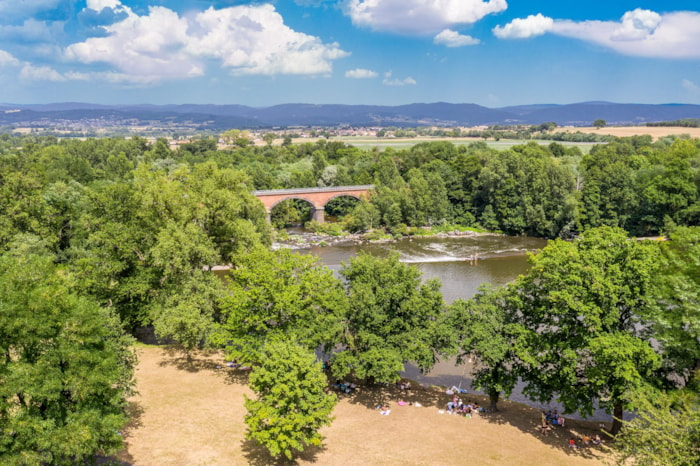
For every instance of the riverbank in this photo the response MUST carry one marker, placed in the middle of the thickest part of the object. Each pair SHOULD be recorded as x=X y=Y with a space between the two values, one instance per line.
x=190 y=411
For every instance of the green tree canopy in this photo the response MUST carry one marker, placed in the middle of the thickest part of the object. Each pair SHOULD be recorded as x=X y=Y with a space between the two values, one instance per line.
x=581 y=303
x=291 y=403
x=666 y=430
x=275 y=296
x=487 y=332
x=65 y=368
x=392 y=318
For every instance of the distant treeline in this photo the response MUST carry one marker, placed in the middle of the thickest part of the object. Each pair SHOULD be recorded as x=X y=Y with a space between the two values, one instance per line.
x=685 y=123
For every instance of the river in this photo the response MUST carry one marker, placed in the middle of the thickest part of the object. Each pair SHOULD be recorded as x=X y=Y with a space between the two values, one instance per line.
x=462 y=264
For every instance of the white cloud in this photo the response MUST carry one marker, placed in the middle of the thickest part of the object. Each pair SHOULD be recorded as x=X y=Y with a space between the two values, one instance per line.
x=451 y=38
x=419 y=16
x=360 y=73
x=389 y=81
x=32 y=30
x=522 y=28
x=6 y=59
x=99 y=5
x=639 y=32
x=30 y=72
x=145 y=46
x=637 y=25
x=164 y=45
x=255 y=40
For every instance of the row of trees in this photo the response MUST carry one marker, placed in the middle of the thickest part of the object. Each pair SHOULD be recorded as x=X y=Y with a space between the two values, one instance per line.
x=110 y=231
x=553 y=191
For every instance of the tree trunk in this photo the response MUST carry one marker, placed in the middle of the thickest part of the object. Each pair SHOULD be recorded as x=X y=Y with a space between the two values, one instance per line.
x=493 y=398
x=617 y=418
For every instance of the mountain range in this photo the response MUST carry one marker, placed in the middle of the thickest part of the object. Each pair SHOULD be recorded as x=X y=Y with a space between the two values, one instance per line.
x=218 y=117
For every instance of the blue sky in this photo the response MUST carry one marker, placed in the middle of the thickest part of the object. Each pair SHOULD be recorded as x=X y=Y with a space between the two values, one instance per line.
x=390 y=52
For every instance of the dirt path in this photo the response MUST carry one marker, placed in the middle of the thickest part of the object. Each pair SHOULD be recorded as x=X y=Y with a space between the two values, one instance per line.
x=191 y=413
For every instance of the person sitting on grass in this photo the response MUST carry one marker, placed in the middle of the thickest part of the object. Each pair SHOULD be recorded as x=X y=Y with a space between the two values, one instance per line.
x=597 y=440
x=572 y=443
x=385 y=410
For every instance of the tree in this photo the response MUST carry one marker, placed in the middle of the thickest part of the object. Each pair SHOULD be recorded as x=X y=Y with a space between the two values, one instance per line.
x=269 y=138
x=487 y=332
x=676 y=308
x=65 y=368
x=392 y=318
x=666 y=430
x=291 y=402
x=599 y=123
x=275 y=296
x=581 y=303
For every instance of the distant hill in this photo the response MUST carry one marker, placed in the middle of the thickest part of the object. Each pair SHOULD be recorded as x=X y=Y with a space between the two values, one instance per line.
x=218 y=117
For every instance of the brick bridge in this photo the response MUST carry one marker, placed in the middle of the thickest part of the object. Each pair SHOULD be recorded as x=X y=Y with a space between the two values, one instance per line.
x=317 y=197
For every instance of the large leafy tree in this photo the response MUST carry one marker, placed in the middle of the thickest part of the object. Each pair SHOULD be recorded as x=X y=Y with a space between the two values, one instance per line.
x=609 y=196
x=65 y=368
x=277 y=295
x=488 y=333
x=527 y=191
x=666 y=430
x=291 y=403
x=392 y=318
x=581 y=303
x=676 y=310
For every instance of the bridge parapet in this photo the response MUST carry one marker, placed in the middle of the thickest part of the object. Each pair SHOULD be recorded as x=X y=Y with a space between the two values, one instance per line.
x=328 y=189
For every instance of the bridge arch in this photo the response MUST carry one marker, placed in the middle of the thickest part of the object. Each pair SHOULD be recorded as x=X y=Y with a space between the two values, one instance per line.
x=317 y=197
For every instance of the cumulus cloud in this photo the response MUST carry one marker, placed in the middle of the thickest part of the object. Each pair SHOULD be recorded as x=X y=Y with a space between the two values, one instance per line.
x=7 y=59
x=419 y=16
x=163 y=44
x=255 y=40
x=32 y=30
x=522 y=28
x=389 y=81
x=637 y=25
x=99 y=5
x=639 y=32
x=450 y=38
x=360 y=73
x=149 y=46
x=30 y=72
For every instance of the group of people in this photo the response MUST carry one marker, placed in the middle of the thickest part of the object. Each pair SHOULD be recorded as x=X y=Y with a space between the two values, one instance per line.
x=457 y=406
x=550 y=418
x=585 y=441
x=344 y=387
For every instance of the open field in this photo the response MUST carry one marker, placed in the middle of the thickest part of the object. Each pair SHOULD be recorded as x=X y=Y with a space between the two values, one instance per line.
x=624 y=131
x=406 y=143
x=190 y=412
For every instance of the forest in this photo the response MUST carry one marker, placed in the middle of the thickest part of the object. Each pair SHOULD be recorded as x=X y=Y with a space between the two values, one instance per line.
x=101 y=237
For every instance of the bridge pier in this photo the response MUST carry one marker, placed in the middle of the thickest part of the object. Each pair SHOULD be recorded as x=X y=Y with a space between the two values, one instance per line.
x=318 y=214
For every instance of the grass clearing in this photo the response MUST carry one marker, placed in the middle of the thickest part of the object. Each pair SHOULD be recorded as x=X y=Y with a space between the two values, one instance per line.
x=190 y=412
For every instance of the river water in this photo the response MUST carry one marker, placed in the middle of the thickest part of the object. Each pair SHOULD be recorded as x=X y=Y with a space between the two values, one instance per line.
x=462 y=264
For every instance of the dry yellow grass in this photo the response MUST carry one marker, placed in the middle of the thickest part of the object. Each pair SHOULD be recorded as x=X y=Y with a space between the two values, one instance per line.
x=188 y=412
x=656 y=132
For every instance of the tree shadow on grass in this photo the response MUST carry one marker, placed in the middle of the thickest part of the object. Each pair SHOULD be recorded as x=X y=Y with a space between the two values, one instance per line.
x=528 y=420
x=258 y=455
x=193 y=361
x=135 y=412
x=372 y=396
